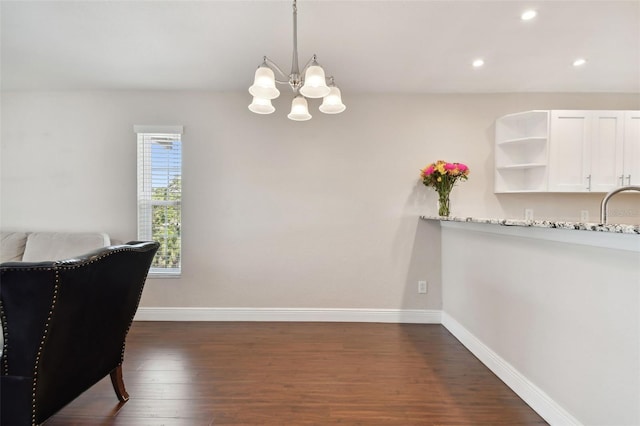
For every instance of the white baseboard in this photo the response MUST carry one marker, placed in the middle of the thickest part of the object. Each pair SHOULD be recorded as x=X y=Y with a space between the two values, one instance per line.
x=530 y=393
x=417 y=316
x=546 y=407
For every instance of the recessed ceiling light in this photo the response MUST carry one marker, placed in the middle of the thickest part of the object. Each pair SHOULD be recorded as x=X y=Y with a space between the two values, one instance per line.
x=478 y=63
x=579 y=62
x=528 y=15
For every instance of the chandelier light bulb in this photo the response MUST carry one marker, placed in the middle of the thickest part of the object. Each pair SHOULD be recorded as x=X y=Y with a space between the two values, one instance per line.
x=261 y=106
x=299 y=109
x=315 y=83
x=264 y=84
x=332 y=103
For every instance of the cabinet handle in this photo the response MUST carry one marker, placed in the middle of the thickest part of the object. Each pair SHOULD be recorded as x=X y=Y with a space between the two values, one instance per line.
x=629 y=180
x=589 y=183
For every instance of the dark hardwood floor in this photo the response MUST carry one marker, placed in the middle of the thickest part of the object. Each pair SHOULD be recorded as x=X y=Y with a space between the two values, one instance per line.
x=219 y=373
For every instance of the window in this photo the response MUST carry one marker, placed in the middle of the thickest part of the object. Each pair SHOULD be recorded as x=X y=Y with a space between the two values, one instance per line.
x=160 y=195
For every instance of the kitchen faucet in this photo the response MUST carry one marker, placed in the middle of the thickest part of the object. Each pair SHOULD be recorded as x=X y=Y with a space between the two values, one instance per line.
x=605 y=200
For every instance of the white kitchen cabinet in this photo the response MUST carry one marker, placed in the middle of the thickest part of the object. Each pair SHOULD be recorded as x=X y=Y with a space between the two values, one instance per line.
x=585 y=152
x=631 y=149
x=569 y=151
x=521 y=152
x=606 y=151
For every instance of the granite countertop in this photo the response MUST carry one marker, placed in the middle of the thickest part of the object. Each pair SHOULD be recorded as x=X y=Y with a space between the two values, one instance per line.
x=578 y=226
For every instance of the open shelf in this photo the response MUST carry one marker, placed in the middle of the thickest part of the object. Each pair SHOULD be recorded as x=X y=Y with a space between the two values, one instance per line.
x=522 y=166
x=526 y=124
x=521 y=152
x=524 y=141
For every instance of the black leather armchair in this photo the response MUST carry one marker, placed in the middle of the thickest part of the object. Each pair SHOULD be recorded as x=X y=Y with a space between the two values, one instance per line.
x=65 y=325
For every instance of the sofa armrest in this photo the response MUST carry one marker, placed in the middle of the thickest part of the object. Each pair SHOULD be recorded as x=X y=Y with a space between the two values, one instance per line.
x=12 y=246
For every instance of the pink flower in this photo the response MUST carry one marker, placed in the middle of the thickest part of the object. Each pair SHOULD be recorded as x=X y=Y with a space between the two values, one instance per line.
x=442 y=176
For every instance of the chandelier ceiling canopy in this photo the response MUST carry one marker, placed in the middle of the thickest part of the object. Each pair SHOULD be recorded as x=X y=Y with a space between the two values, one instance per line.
x=310 y=83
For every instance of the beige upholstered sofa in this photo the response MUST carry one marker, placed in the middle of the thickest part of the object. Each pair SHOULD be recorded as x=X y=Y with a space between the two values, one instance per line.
x=41 y=246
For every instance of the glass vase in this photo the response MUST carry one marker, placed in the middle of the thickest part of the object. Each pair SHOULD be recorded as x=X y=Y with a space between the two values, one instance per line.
x=443 y=204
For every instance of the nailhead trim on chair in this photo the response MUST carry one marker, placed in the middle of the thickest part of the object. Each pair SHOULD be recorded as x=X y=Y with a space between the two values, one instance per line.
x=44 y=337
x=57 y=267
x=144 y=279
x=5 y=344
x=5 y=328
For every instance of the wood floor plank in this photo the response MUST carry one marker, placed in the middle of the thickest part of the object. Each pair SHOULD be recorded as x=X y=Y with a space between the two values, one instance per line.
x=208 y=373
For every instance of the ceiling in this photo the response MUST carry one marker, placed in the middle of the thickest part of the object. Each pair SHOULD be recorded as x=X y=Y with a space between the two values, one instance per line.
x=389 y=46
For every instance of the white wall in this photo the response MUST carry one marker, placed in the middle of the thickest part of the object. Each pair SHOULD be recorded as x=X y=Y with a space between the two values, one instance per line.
x=566 y=316
x=275 y=213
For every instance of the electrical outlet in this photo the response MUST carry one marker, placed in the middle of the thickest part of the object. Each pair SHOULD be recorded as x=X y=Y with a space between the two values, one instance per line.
x=422 y=287
x=528 y=214
x=584 y=216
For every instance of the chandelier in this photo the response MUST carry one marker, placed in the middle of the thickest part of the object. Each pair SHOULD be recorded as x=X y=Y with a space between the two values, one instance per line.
x=310 y=83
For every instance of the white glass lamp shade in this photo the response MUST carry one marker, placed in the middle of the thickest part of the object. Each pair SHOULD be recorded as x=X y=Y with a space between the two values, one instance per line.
x=299 y=109
x=315 y=85
x=332 y=103
x=261 y=106
x=264 y=84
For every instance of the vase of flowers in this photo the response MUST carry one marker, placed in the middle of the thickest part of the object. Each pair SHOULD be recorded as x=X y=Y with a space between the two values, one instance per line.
x=442 y=176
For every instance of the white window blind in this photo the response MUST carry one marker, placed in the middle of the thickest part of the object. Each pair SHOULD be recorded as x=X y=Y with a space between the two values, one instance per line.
x=160 y=195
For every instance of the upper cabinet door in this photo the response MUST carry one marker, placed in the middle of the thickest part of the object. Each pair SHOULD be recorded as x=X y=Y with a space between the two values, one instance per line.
x=607 y=136
x=631 y=153
x=569 y=151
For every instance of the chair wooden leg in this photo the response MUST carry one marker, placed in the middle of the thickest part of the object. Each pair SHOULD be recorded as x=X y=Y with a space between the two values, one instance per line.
x=118 y=384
